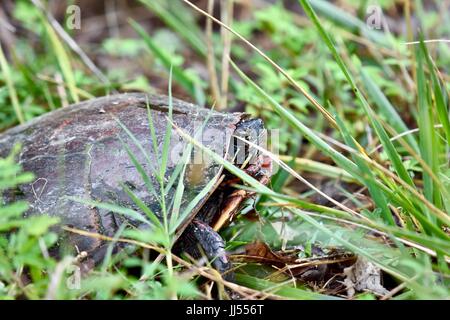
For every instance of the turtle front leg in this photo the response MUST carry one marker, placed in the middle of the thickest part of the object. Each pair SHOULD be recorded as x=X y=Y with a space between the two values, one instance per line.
x=214 y=247
x=261 y=171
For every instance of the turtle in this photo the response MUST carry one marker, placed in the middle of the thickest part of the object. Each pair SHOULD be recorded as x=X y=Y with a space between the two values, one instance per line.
x=78 y=152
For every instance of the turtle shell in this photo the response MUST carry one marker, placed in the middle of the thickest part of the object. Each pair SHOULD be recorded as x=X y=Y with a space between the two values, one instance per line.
x=78 y=151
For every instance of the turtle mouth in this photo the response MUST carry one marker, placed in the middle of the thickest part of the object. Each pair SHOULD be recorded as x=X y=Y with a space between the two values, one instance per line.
x=253 y=131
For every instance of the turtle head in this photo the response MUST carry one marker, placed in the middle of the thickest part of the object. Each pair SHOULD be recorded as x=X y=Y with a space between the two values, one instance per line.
x=251 y=130
x=249 y=127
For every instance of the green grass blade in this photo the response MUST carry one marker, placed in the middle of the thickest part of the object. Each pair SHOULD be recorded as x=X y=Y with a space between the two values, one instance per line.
x=429 y=148
x=150 y=214
x=114 y=208
x=11 y=89
x=299 y=203
x=168 y=134
x=145 y=177
x=440 y=95
x=375 y=191
x=178 y=198
x=179 y=168
x=194 y=202
x=63 y=60
x=354 y=248
x=152 y=133
x=133 y=158
x=347 y=21
x=386 y=108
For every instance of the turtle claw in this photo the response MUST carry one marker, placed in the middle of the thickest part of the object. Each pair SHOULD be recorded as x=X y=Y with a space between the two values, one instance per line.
x=214 y=247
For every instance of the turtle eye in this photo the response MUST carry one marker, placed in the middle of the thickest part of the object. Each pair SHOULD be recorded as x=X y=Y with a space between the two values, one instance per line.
x=130 y=185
